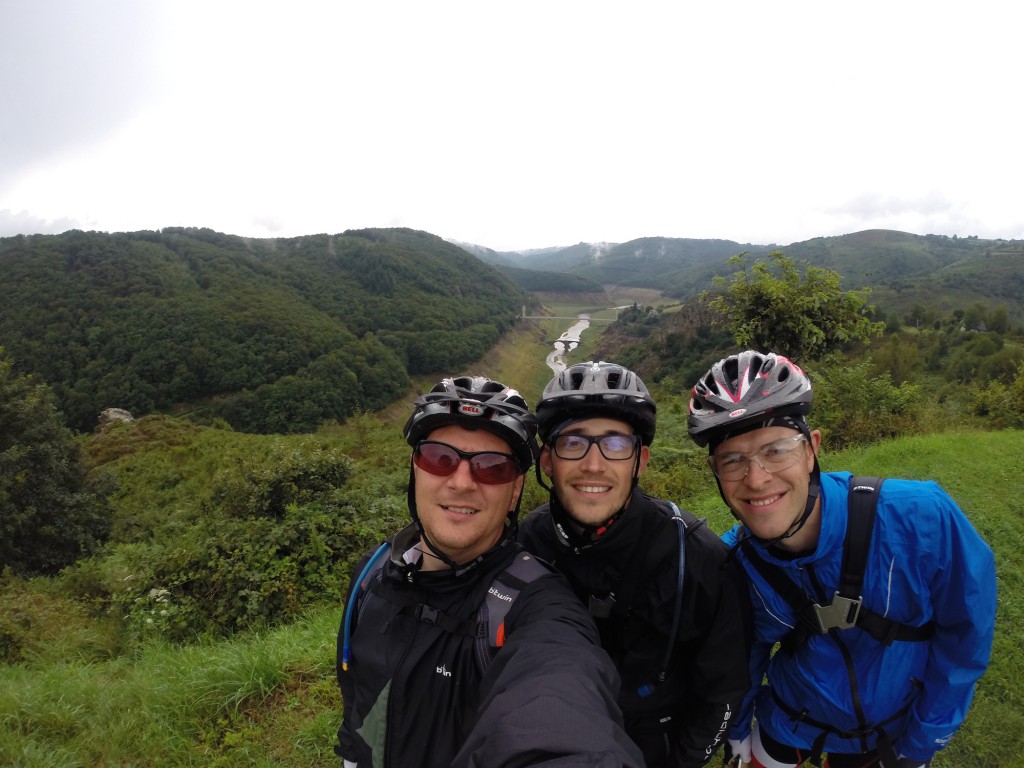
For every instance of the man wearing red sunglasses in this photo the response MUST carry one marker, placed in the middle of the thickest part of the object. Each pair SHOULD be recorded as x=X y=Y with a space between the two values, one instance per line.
x=457 y=647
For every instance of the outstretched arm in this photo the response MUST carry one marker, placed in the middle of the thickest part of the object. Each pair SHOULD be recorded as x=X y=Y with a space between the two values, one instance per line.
x=549 y=695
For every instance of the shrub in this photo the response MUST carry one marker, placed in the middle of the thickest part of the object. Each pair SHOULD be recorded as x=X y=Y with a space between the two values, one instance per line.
x=851 y=406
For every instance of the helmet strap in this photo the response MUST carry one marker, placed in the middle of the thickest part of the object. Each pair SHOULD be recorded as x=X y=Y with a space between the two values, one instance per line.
x=813 y=491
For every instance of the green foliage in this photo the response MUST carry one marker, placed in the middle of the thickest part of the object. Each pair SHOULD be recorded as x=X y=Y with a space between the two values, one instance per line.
x=50 y=515
x=772 y=308
x=851 y=406
x=1002 y=404
x=274 y=336
x=41 y=624
x=676 y=349
x=217 y=531
x=267 y=485
x=259 y=700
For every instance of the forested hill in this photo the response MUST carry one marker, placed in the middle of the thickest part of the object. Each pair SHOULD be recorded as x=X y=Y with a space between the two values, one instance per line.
x=272 y=335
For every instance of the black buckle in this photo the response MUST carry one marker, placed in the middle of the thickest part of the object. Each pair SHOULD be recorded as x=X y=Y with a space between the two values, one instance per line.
x=601 y=607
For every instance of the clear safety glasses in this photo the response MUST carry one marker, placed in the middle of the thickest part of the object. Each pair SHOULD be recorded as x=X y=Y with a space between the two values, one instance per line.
x=772 y=457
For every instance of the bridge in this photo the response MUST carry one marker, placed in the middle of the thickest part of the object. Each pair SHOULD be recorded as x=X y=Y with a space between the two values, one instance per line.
x=582 y=316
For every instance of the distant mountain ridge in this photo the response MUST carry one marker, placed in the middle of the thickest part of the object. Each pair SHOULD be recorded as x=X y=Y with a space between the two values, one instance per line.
x=900 y=267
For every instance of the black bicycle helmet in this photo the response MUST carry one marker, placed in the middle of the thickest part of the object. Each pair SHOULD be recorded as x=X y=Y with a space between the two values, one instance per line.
x=476 y=402
x=745 y=390
x=589 y=390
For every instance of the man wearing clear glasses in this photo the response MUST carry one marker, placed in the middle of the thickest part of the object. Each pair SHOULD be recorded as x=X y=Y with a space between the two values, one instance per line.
x=880 y=593
x=671 y=613
x=457 y=648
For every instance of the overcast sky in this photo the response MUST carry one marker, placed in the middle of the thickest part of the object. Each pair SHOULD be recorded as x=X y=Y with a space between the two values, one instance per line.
x=512 y=125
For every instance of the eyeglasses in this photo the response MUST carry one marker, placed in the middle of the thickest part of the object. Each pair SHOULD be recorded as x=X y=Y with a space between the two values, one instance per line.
x=771 y=458
x=614 y=447
x=487 y=467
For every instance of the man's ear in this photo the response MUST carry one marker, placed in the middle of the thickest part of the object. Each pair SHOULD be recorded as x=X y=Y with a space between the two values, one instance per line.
x=545 y=460
x=645 y=456
x=517 y=490
x=815 y=444
x=815 y=441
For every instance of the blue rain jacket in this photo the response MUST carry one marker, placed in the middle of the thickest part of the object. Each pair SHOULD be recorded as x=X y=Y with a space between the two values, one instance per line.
x=926 y=563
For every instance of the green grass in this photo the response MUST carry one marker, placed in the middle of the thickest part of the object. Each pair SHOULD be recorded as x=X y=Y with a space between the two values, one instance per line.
x=257 y=700
x=270 y=699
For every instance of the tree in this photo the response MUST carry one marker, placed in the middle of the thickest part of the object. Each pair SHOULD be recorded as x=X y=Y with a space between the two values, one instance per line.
x=49 y=514
x=770 y=307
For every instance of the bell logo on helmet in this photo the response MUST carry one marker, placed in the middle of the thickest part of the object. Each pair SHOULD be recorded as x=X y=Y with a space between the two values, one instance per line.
x=737 y=412
x=471 y=409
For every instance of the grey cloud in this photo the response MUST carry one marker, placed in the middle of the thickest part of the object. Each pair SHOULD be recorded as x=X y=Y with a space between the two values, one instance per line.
x=70 y=73
x=23 y=222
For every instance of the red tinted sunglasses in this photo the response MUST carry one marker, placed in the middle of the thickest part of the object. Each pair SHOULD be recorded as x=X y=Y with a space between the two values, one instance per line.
x=487 y=467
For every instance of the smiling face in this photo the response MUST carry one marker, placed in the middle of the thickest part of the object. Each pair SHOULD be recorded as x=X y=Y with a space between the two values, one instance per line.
x=769 y=503
x=462 y=517
x=593 y=489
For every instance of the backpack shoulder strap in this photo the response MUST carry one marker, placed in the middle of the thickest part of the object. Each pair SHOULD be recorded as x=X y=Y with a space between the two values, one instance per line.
x=860 y=527
x=863 y=505
x=357 y=598
x=501 y=595
x=504 y=590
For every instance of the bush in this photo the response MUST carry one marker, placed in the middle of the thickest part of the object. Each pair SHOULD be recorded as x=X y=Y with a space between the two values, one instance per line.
x=1002 y=404
x=851 y=406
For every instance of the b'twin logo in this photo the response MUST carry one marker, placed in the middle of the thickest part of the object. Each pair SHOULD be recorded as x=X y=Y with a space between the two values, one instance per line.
x=443 y=672
x=497 y=594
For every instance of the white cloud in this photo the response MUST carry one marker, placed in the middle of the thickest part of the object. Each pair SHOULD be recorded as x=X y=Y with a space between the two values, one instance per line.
x=515 y=126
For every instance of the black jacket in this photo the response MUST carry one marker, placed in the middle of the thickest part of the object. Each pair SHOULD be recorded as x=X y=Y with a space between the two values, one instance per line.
x=416 y=694
x=683 y=720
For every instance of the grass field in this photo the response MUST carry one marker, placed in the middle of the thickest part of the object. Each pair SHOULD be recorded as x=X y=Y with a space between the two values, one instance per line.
x=270 y=699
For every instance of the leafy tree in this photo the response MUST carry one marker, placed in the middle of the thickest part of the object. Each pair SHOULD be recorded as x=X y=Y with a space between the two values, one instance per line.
x=49 y=516
x=771 y=307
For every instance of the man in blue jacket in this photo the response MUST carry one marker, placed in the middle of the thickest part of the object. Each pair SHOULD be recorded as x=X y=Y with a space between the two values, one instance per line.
x=882 y=678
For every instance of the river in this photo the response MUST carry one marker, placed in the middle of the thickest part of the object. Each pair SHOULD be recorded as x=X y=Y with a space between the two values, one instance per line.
x=566 y=343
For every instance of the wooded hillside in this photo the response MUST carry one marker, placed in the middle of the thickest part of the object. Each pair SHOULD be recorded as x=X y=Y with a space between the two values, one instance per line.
x=270 y=335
